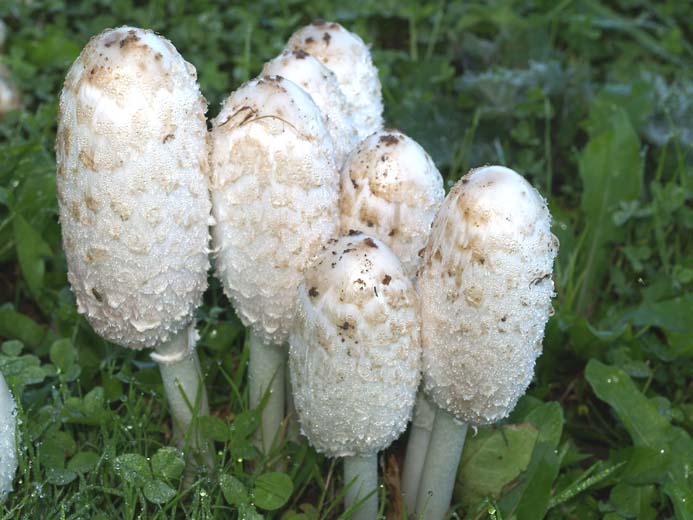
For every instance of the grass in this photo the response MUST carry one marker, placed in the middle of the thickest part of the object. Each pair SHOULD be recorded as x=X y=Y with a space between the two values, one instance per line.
x=591 y=101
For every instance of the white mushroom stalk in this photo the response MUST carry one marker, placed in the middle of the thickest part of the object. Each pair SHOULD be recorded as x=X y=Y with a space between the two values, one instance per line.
x=275 y=196
x=8 y=442
x=345 y=54
x=322 y=85
x=391 y=189
x=485 y=288
x=354 y=358
x=134 y=202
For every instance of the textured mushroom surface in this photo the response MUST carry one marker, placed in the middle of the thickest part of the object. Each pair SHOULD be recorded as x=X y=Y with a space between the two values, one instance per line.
x=345 y=54
x=485 y=289
x=355 y=348
x=275 y=196
x=320 y=82
x=8 y=448
x=132 y=186
x=391 y=189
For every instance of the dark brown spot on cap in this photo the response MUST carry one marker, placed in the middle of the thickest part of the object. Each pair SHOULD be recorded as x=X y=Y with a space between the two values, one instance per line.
x=388 y=140
x=326 y=38
x=370 y=243
x=354 y=232
x=97 y=295
x=345 y=326
x=309 y=39
x=354 y=183
x=392 y=233
x=313 y=292
x=386 y=279
x=300 y=54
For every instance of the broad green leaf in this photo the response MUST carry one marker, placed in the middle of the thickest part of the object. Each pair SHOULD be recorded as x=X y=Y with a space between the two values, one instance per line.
x=158 y=492
x=637 y=413
x=233 y=489
x=491 y=459
x=611 y=172
x=634 y=501
x=63 y=354
x=529 y=500
x=15 y=325
x=672 y=316
x=168 y=463
x=548 y=419
x=83 y=462
x=60 y=476
x=31 y=251
x=133 y=469
x=214 y=428
x=272 y=490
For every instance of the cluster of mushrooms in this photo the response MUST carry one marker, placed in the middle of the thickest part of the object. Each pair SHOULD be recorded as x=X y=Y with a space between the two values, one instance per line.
x=332 y=238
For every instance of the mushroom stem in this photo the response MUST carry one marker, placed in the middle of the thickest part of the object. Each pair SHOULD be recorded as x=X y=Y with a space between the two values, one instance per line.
x=266 y=375
x=440 y=468
x=361 y=475
x=184 y=387
x=417 y=446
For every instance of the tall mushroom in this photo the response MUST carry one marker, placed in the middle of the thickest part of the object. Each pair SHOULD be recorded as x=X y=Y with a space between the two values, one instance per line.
x=345 y=54
x=354 y=358
x=391 y=189
x=134 y=201
x=485 y=288
x=8 y=444
x=322 y=85
x=274 y=196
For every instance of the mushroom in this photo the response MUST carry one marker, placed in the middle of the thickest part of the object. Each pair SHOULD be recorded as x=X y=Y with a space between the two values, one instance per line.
x=345 y=54
x=274 y=196
x=134 y=202
x=485 y=288
x=354 y=358
x=391 y=190
x=321 y=83
x=8 y=443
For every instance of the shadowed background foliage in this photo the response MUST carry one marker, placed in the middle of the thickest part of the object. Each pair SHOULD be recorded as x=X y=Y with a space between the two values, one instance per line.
x=592 y=101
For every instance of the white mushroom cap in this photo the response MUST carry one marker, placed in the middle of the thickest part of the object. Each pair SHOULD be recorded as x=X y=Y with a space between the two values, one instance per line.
x=391 y=189
x=8 y=443
x=321 y=83
x=132 y=186
x=355 y=349
x=485 y=289
x=275 y=196
x=345 y=54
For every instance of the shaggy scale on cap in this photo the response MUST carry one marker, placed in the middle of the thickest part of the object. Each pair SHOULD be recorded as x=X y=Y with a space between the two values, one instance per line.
x=485 y=289
x=8 y=448
x=391 y=189
x=355 y=350
x=345 y=54
x=132 y=186
x=322 y=85
x=275 y=198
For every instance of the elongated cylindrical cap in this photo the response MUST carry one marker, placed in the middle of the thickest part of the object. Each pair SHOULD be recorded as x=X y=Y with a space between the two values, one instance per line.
x=132 y=186
x=345 y=54
x=391 y=189
x=8 y=443
x=485 y=288
x=275 y=196
x=354 y=350
x=320 y=82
